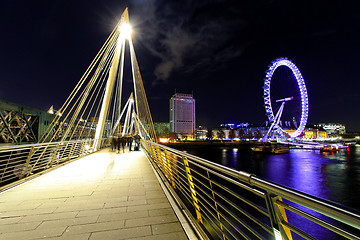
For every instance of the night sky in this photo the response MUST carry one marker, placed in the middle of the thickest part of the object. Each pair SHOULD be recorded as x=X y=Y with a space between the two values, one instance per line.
x=217 y=50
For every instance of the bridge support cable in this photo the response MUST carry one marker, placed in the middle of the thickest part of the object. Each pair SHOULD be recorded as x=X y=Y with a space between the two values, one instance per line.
x=118 y=91
x=59 y=115
x=85 y=95
x=108 y=93
x=93 y=109
x=61 y=119
x=117 y=122
x=142 y=106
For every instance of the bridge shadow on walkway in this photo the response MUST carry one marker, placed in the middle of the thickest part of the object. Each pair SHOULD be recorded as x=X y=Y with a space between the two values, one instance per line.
x=101 y=196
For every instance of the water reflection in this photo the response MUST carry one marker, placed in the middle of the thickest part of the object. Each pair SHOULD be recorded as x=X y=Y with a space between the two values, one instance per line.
x=335 y=177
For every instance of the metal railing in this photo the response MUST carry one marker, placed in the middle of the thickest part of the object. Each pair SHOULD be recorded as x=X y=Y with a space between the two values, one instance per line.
x=21 y=161
x=230 y=204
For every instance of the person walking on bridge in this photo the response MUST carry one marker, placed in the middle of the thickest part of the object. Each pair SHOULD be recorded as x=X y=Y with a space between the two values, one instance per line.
x=118 y=144
x=123 y=143
x=112 y=142
x=129 y=142
x=137 y=142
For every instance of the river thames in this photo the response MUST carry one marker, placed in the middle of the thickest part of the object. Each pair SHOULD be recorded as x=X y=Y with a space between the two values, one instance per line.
x=331 y=176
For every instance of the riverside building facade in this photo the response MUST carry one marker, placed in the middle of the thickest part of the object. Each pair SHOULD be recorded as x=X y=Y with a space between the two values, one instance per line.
x=182 y=114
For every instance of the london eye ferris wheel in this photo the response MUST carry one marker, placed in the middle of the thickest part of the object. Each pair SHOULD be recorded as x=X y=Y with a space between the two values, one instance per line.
x=285 y=99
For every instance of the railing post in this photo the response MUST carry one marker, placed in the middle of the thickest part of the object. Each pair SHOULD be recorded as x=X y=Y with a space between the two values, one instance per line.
x=27 y=163
x=216 y=207
x=192 y=190
x=154 y=153
x=159 y=160
x=81 y=148
x=71 y=148
x=169 y=168
x=2 y=176
x=64 y=149
x=281 y=216
x=53 y=155
x=148 y=149
x=276 y=215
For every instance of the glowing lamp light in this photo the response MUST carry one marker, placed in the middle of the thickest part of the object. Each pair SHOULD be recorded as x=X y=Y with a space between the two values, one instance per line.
x=126 y=30
x=164 y=140
x=277 y=234
x=87 y=147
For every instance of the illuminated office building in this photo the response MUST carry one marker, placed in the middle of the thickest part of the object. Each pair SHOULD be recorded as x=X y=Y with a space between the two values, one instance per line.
x=182 y=114
x=333 y=129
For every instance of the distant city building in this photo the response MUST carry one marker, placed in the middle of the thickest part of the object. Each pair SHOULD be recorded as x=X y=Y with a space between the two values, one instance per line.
x=182 y=114
x=246 y=131
x=312 y=133
x=333 y=129
x=200 y=133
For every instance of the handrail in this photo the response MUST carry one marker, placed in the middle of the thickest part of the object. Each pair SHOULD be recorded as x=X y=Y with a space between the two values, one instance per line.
x=226 y=201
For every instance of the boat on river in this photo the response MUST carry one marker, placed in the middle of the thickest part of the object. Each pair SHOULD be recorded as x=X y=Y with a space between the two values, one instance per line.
x=271 y=149
x=259 y=149
x=329 y=149
x=279 y=150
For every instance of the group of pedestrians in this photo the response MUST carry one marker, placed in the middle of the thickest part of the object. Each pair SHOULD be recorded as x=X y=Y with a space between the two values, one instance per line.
x=119 y=143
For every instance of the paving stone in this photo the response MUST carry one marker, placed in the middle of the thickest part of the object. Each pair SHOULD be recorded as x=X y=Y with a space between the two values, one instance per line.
x=34 y=234
x=160 y=212
x=157 y=200
x=83 y=236
x=17 y=227
x=122 y=233
x=167 y=236
x=148 y=207
x=101 y=211
x=94 y=227
x=150 y=220
x=79 y=206
x=127 y=203
x=166 y=228
x=67 y=222
x=51 y=216
x=122 y=216
x=15 y=213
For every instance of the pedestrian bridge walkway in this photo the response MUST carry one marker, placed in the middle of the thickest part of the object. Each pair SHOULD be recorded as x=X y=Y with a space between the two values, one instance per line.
x=104 y=195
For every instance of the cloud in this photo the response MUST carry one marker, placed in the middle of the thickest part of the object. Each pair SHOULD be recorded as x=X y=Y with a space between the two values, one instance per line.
x=176 y=32
x=164 y=69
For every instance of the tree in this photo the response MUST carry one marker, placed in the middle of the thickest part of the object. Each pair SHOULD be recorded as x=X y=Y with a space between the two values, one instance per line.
x=250 y=134
x=232 y=134
x=257 y=134
x=173 y=136
x=241 y=133
x=221 y=134
x=209 y=134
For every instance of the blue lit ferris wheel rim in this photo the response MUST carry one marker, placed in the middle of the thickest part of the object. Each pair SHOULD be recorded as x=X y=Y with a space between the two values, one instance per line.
x=303 y=92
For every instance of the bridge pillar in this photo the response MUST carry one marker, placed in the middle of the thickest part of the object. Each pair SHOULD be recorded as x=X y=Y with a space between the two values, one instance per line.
x=111 y=82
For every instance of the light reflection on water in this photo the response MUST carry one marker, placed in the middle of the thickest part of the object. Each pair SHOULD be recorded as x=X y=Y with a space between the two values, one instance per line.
x=335 y=177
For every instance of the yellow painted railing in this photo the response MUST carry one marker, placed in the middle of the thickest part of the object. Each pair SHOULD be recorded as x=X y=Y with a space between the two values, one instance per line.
x=230 y=204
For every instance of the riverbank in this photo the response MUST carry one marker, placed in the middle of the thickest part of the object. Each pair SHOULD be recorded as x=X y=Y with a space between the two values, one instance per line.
x=213 y=144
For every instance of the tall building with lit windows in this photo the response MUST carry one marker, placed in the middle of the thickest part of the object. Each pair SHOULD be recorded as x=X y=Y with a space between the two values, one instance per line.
x=182 y=114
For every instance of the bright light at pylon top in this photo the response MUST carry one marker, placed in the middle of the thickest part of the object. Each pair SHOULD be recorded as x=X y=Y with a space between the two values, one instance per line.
x=126 y=30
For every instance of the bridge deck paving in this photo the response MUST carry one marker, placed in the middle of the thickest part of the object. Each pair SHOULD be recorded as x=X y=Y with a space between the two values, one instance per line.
x=104 y=195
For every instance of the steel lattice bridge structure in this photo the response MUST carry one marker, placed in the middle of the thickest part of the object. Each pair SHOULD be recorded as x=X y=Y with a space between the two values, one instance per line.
x=81 y=190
